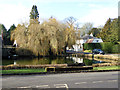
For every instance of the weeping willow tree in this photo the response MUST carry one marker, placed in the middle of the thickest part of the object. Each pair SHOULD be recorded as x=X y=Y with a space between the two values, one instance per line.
x=49 y=38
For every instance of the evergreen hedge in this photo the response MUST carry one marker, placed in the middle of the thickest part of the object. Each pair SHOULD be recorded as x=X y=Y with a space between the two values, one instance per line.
x=116 y=48
x=91 y=46
x=107 y=47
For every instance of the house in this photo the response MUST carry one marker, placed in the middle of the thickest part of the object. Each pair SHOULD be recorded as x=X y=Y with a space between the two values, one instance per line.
x=15 y=43
x=95 y=40
x=85 y=39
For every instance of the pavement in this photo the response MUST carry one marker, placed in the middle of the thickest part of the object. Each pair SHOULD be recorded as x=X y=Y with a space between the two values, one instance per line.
x=67 y=81
x=74 y=52
x=117 y=55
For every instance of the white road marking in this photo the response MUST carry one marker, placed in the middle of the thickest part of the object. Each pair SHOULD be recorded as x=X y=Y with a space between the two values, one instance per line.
x=43 y=86
x=25 y=87
x=66 y=85
x=112 y=80
x=61 y=85
x=80 y=82
x=97 y=81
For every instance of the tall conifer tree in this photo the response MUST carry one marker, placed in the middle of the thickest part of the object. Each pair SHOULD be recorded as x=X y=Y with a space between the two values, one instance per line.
x=34 y=13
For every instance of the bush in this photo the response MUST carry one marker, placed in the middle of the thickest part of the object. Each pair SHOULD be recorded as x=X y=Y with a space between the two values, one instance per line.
x=115 y=49
x=107 y=47
x=91 y=46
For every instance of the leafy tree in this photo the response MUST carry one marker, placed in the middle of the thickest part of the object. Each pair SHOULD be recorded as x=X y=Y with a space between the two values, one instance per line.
x=9 y=34
x=3 y=29
x=113 y=36
x=105 y=31
x=12 y=27
x=4 y=33
x=118 y=27
x=94 y=31
x=109 y=33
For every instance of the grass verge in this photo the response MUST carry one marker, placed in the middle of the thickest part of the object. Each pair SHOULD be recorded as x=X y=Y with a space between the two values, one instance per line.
x=17 y=71
x=107 y=68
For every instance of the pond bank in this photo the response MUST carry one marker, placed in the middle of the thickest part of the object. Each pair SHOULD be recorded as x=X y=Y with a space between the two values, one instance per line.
x=12 y=66
x=43 y=72
x=110 y=59
x=99 y=56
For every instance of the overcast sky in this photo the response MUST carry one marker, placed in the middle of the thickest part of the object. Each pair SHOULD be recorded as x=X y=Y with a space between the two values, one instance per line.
x=93 y=11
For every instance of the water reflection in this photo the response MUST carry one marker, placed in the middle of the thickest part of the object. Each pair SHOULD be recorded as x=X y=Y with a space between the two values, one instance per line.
x=15 y=63
x=50 y=60
x=77 y=59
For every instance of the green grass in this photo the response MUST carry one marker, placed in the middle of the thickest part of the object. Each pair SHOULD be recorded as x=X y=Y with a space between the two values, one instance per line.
x=107 y=68
x=14 y=71
x=17 y=71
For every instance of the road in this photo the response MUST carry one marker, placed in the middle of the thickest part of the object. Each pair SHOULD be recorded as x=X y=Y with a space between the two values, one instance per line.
x=68 y=80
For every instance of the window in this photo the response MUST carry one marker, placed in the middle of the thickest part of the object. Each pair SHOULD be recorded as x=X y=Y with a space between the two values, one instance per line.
x=97 y=40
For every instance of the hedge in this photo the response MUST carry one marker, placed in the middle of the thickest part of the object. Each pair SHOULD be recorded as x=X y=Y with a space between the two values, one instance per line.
x=116 y=49
x=107 y=47
x=91 y=46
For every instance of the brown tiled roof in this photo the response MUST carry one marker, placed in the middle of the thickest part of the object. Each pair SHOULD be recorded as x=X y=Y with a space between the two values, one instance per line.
x=89 y=41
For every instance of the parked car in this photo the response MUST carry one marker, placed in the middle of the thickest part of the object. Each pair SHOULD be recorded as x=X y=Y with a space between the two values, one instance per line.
x=98 y=51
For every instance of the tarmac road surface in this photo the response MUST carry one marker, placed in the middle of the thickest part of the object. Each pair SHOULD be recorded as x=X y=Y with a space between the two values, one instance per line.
x=67 y=80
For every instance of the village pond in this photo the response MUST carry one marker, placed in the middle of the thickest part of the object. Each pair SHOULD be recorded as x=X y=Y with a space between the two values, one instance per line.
x=80 y=61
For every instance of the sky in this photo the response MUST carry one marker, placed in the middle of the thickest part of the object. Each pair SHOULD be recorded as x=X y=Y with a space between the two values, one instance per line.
x=93 y=11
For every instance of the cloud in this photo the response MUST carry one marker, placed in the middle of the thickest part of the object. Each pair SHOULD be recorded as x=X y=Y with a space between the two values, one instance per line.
x=18 y=11
x=13 y=14
x=119 y=8
x=99 y=16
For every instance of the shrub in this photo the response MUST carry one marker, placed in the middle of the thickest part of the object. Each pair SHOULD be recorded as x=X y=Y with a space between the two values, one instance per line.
x=91 y=46
x=107 y=47
x=115 y=49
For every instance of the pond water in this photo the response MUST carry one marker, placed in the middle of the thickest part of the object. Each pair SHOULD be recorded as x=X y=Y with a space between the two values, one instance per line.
x=50 y=60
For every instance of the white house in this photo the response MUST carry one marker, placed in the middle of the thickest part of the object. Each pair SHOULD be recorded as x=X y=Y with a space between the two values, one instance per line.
x=77 y=46
x=15 y=43
x=85 y=39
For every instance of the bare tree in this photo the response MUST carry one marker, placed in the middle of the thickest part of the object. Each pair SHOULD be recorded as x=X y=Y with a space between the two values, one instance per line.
x=70 y=21
x=86 y=28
